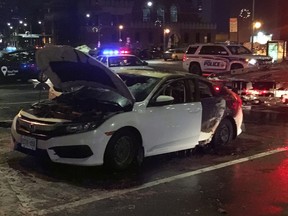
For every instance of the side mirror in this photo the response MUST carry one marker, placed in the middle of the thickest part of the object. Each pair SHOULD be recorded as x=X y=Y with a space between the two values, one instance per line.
x=163 y=100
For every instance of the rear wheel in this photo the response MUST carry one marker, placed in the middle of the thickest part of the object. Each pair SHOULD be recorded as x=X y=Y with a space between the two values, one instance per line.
x=122 y=150
x=195 y=69
x=223 y=134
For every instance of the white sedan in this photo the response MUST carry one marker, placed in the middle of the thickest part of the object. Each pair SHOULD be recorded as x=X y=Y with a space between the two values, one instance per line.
x=118 y=119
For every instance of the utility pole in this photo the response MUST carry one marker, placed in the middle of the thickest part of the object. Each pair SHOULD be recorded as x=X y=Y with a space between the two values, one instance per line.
x=253 y=19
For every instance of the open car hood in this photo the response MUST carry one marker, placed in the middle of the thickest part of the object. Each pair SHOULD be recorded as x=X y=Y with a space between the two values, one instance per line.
x=68 y=68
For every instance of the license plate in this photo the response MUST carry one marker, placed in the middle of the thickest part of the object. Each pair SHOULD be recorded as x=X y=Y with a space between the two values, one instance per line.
x=29 y=143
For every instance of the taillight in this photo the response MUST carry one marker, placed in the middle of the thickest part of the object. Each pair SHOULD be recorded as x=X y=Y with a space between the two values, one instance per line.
x=237 y=102
x=184 y=57
x=124 y=52
x=217 y=88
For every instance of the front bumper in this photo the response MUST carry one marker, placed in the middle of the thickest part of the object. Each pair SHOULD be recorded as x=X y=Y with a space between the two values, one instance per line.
x=84 y=149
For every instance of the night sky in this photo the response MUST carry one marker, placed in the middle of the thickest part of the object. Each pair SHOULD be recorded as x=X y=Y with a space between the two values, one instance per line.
x=221 y=14
x=266 y=11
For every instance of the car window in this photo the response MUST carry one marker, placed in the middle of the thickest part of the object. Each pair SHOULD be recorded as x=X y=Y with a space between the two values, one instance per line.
x=139 y=86
x=205 y=89
x=175 y=89
x=191 y=49
x=20 y=56
x=102 y=59
x=179 y=51
x=117 y=61
x=239 y=50
x=213 y=50
x=192 y=90
x=98 y=58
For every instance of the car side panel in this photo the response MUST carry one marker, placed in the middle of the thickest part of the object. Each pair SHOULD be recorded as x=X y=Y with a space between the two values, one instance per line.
x=170 y=128
x=212 y=114
x=163 y=129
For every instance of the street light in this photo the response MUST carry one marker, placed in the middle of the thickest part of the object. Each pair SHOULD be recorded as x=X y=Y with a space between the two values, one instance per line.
x=255 y=25
x=120 y=29
x=166 y=31
x=253 y=16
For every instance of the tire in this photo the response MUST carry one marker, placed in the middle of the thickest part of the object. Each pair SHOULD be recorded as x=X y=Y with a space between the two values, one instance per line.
x=223 y=134
x=165 y=59
x=195 y=69
x=123 y=150
x=42 y=77
x=235 y=67
x=176 y=58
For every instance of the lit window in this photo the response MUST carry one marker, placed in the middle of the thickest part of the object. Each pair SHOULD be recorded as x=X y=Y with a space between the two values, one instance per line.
x=173 y=14
x=161 y=15
x=146 y=15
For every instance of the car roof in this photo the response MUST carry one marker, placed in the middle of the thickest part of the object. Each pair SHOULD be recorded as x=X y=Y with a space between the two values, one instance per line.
x=216 y=44
x=21 y=51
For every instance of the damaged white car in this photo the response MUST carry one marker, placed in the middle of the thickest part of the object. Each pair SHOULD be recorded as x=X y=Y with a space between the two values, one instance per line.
x=118 y=119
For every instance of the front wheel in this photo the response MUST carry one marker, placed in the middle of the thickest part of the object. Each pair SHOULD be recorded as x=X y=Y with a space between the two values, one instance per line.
x=195 y=69
x=236 y=68
x=223 y=134
x=122 y=150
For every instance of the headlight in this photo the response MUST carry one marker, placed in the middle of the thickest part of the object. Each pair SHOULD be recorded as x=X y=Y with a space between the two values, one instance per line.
x=82 y=127
x=252 y=61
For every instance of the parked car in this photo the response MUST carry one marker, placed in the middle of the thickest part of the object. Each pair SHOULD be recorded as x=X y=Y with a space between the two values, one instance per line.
x=117 y=119
x=121 y=61
x=153 y=53
x=174 y=54
x=223 y=57
x=20 y=65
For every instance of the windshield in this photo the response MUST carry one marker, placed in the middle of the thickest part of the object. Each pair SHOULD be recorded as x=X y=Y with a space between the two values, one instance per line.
x=239 y=50
x=120 y=61
x=19 y=56
x=139 y=86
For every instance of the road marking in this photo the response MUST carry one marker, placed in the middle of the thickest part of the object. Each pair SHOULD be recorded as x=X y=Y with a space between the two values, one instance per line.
x=154 y=183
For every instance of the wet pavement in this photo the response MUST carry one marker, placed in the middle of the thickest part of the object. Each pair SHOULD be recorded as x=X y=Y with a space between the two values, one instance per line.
x=258 y=187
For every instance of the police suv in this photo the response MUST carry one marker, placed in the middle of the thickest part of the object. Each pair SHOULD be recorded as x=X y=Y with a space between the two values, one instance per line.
x=218 y=58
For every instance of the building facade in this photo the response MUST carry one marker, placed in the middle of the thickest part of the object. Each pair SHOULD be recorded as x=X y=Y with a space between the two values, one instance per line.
x=132 y=23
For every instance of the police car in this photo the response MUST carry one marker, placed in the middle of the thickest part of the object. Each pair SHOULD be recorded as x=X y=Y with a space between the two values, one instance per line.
x=218 y=58
x=122 y=61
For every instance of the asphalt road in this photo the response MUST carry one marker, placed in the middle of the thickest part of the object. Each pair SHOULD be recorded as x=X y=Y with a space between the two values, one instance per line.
x=247 y=177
